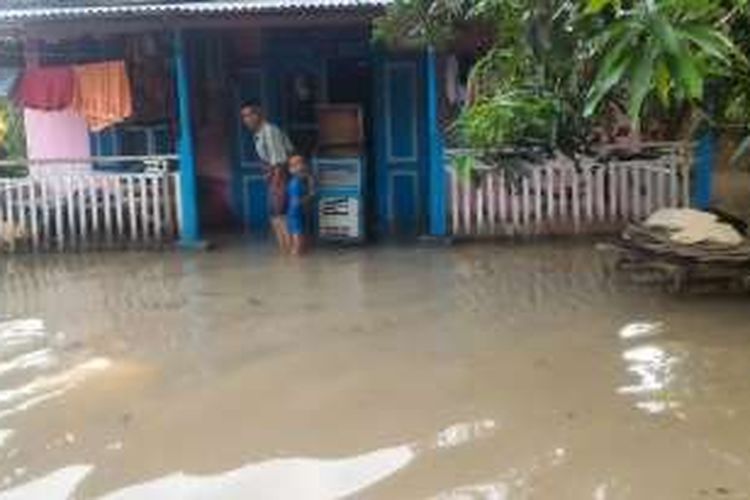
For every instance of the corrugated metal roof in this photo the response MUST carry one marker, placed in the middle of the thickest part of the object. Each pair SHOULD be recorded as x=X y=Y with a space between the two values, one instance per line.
x=71 y=9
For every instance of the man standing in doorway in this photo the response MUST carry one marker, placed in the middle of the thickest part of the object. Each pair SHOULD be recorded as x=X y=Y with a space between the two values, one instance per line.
x=274 y=149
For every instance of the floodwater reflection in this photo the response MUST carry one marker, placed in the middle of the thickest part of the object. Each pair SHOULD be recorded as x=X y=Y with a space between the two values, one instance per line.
x=497 y=372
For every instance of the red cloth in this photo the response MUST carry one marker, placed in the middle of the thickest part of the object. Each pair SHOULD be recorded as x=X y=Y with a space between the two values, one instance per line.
x=48 y=88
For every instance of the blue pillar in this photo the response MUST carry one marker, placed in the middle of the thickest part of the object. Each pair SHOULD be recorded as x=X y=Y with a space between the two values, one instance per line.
x=190 y=236
x=436 y=209
x=704 y=162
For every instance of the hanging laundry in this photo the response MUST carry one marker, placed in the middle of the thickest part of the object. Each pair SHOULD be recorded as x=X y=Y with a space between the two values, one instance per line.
x=56 y=135
x=8 y=79
x=103 y=95
x=49 y=88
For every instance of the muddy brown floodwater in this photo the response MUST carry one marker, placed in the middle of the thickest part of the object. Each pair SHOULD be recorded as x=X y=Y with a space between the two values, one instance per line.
x=495 y=372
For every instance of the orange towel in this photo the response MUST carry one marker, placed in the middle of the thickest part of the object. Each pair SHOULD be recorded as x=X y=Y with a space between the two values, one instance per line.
x=102 y=94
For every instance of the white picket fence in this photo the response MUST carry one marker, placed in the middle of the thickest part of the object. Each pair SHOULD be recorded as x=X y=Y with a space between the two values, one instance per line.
x=88 y=211
x=559 y=197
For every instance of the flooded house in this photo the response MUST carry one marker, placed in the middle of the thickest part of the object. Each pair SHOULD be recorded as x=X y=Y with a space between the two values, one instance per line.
x=168 y=155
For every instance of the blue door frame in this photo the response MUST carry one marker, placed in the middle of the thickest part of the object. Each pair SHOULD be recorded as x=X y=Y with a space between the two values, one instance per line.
x=401 y=145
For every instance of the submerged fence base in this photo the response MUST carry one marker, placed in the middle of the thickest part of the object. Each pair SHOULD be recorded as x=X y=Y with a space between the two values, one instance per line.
x=559 y=197
x=89 y=211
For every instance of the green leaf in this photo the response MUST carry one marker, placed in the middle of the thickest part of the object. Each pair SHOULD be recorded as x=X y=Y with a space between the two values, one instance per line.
x=604 y=82
x=641 y=84
x=663 y=82
x=714 y=43
x=596 y=6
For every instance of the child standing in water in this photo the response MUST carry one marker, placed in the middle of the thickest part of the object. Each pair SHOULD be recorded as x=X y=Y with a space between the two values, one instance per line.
x=299 y=196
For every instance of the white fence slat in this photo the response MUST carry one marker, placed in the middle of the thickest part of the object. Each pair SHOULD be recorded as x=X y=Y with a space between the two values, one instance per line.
x=82 y=210
x=612 y=176
x=601 y=207
x=34 y=214
x=562 y=193
x=120 y=199
x=106 y=186
x=93 y=206
x=514 y=206
x=575 y=198
x=685 y=177
x=466 y=195
x=46 y=229
x=178 y=202
x=131 y=193
x=71 y=212
x=550 y=175
x=491 y=205
x=156 y=188
x=479 y=205
x=589 y=183
x=170 y=181
x=536 y=180
x=526 y=203
x=145 y=212
x=455 y=201
x=661 y=195
x=502 y=198
x=636 y=194
x=59 y=219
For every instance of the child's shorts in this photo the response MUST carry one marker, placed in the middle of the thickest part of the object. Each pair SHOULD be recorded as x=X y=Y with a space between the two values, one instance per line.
x=295 y=222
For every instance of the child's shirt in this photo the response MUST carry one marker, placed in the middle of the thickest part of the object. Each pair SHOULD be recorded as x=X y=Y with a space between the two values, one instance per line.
x=296 y=191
